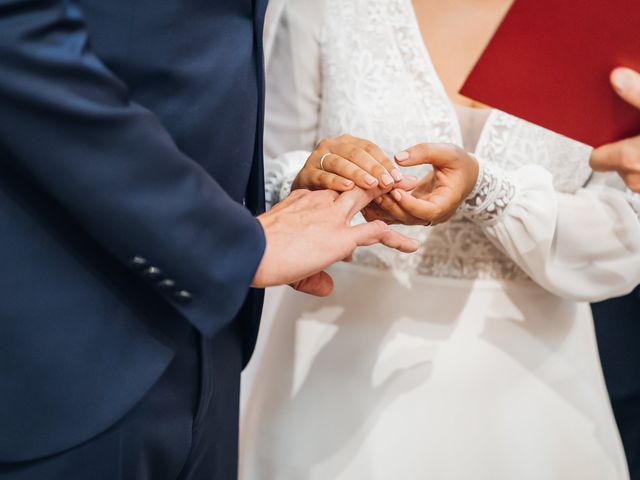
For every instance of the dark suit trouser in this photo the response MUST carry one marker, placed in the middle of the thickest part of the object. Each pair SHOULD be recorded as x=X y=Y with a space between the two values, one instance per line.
x=185 y=428
x=617 y=324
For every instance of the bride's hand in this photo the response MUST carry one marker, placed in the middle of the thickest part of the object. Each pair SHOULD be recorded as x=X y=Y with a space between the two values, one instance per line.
x=438 y=195
x=343 y=162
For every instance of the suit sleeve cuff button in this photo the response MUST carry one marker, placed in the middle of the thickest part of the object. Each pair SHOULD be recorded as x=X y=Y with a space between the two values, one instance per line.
x=182 y=296
x=139 y=262
x=166 y=284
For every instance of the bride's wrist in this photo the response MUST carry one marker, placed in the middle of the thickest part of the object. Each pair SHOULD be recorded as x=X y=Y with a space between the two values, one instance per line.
x=477 y=168
x=491 y=196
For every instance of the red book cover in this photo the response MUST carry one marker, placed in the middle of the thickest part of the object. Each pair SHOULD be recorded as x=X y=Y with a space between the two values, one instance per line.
x=549 y=63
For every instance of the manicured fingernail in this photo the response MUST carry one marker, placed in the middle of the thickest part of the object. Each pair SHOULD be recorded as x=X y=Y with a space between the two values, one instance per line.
x=370 y=180
x=414 y=244
x=622 y=79
x=387 y=179
x=347 y=183
x=396 y=195
x=395 y=173
x=402 y=156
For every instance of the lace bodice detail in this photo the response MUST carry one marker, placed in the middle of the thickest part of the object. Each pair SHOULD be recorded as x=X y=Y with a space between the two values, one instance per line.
x=379 y=83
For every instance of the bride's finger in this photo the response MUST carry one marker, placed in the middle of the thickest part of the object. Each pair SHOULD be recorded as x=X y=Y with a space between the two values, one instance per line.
x=444 y=200
x=366 y=162
x=347 y=169
x=392 y=208
x=331 y=181
x=377 y=153
x=419 y=208
x=437 y=154
x=425 y=186
x=407 y=183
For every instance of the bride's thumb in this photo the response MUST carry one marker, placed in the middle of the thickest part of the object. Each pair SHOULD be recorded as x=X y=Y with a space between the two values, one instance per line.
x=437 y=154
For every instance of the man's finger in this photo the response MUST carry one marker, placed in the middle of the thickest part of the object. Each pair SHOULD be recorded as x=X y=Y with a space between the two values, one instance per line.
x=372 y=213
x=319 y=285
x=353 y=201
x=379 y=232
x=293 y=197
x=626 y=82
x=438 y=154
x=400 y=242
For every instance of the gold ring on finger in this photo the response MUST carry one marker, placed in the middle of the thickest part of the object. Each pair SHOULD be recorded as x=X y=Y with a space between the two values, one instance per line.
x=322 y=160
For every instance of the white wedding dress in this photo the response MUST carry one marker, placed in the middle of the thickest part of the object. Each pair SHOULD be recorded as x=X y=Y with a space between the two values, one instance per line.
x=474 y=358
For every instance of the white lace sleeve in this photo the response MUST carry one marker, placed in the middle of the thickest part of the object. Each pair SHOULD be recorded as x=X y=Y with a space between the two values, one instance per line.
x=293 y=93
x=491 y=195
x=280 y=173
x=584 y=245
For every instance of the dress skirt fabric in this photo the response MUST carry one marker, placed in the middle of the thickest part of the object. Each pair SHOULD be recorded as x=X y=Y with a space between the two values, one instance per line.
x=429 y=378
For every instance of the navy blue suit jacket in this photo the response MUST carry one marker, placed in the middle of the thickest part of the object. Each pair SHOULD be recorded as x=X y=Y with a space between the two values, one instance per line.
x=130 y=137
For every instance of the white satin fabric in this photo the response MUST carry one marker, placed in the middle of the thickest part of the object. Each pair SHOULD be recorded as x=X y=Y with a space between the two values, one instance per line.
x=475 y=357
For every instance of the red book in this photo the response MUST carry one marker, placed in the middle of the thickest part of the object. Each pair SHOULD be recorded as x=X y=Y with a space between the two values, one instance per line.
x=549 y=63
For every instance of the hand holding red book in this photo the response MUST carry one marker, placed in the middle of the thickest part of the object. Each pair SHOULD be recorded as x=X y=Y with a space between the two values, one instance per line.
x=622 y=156
x=549 y=62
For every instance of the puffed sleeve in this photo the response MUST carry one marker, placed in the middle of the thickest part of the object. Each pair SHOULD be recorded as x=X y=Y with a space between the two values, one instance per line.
x=293 y=92
x=584 y=246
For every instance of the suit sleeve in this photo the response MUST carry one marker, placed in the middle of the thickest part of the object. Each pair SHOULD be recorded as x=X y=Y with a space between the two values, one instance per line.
x=67 y=124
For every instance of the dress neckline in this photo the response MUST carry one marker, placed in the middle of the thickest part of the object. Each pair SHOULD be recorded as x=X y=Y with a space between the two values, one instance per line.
x=430 y=70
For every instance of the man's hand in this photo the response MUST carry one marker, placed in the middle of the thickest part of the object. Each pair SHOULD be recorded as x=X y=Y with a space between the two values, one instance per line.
x=438 y=195
x=309 y=231
x=623 y=156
